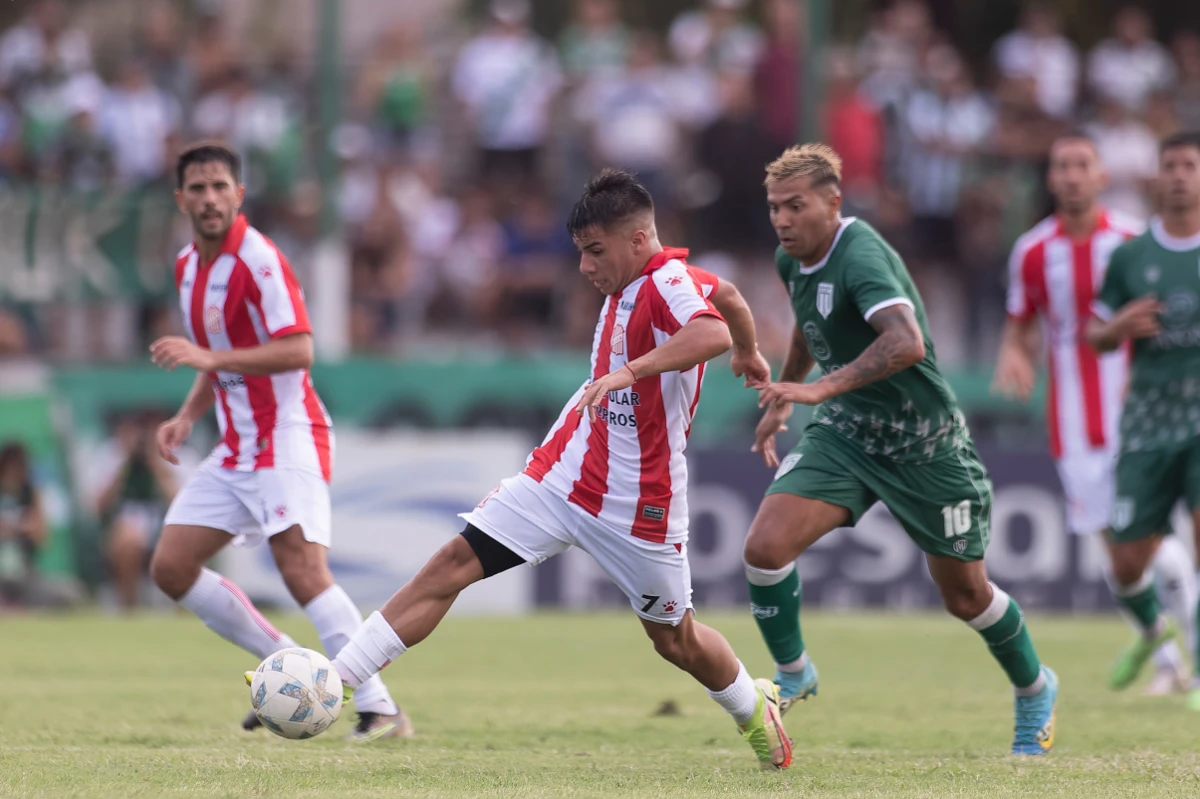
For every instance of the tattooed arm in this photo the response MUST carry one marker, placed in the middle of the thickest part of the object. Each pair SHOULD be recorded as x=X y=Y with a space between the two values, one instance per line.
x=898 y=346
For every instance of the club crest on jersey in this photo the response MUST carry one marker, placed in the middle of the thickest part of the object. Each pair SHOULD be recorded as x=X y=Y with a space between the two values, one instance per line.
x=825 y=299
x=1152 y=273
x=618 y=339
x=212 y=319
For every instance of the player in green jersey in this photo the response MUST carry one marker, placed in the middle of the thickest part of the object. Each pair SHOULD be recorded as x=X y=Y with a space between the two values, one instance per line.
x=886 y=429
x=1151 y=296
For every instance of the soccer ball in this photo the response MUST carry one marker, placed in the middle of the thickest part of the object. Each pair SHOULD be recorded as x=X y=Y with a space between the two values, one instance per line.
x=297 y=693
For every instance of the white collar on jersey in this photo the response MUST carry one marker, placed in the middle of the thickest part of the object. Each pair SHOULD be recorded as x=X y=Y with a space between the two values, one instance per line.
x=845 y=223
x=1169 y=242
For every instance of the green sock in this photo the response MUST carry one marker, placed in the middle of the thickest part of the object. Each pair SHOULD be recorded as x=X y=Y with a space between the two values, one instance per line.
x=1003 y=626
x=775 y=603
x=1141 y=600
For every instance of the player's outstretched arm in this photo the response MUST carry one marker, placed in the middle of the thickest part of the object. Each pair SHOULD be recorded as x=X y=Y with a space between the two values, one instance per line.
x=700 y=340
x=1016 y=369
x=898 y=346
x=172 y=433
x=746 y=361
x=284 y=354
x=1136 y=319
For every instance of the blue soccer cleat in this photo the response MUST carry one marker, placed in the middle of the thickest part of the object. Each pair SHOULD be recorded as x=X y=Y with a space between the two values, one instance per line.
x=1034 y=733
x=796 y=686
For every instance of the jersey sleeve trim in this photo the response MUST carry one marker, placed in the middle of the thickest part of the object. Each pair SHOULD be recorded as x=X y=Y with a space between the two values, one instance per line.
x=894 y=301
x=1101 y=311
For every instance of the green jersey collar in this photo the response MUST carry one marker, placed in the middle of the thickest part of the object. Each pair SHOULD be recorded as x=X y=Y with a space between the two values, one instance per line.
x=1169 y=242
x=845 y=223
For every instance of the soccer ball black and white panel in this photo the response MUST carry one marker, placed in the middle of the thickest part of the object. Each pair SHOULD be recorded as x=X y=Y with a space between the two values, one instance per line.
x=297 y=693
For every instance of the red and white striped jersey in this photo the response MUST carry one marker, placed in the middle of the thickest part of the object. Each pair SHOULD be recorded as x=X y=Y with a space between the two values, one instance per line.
x=1056 y=278
x=628 y=468
x=247 y=296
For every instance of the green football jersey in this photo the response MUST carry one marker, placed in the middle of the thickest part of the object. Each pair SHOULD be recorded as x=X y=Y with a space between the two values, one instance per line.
x=911 y=416
x=1162 y=406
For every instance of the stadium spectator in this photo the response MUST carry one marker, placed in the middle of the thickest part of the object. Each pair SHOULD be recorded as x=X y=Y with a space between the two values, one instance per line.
x=209 y=54
x=135 y=488
x=464 y=294
x=381 y=271
x=596 y=40
x=394 y=87
x=1038 y=51
x=22 y=527
x=716 y=37
x=855 y=130
x=890 y=53
x=777 y=74
x=43 y=44
x=507 y=80
x=137 y=120
x=538 y=254
x=80 y=158
x=159 y=48
x=1129 y=152
x=1186 y=46
x=1131 y=65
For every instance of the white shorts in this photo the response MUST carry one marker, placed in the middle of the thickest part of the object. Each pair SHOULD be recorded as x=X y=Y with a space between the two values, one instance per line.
x=1089 y=485
x=254 y=505
x=536 y=524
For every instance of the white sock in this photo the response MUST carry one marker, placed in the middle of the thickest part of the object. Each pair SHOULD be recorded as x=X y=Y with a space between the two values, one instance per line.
x=373 y=646
x=740 y=698
x=1175 y=576
x=229 y=613
x=795 y=666
x=336 y=618
x=767 y=577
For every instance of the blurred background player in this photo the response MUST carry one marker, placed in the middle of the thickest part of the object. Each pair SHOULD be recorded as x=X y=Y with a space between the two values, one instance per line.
x=1151 y=296
x=611 y=477
x=251 y=346
x=887 y=428
x=22 y=528
x=1054 y=272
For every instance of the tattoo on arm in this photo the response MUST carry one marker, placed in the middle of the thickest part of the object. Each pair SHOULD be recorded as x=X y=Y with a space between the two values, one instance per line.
x=900 y=345
x=799 y=360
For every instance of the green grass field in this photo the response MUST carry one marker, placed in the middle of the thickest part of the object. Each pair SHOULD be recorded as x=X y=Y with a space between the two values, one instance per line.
x=566 y=706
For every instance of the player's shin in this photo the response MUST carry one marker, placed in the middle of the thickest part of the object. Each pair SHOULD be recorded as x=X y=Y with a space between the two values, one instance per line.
x=1140 y=600
x=335 y=617
x=775 y=602
x=1003 y=627
x=229 y=613
x=1175 y=579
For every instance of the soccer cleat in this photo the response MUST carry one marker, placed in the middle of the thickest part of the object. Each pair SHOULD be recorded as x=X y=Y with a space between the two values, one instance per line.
x=1166 y=681
x=252 y=722
x=375 y=726
x=1134 y=658
x=796 y=686
x=764 y=731
x=1034 y=732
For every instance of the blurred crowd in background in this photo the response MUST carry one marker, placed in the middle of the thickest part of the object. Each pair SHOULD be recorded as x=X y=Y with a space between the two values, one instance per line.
x=460 y=151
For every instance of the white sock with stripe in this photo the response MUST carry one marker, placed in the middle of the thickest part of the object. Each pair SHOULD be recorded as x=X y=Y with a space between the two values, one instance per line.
x=373 y=646
x=229 y=613
x=336 y=618
x=740 y=698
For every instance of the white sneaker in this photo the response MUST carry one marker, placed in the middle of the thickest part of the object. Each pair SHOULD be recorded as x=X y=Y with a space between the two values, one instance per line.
x=1167 y=681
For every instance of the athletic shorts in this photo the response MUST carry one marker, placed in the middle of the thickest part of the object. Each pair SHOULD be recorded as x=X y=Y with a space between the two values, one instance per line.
x=1089 y=483
x=944 y=505
x=1149 y=483
x=536 y=524
x=254 y=505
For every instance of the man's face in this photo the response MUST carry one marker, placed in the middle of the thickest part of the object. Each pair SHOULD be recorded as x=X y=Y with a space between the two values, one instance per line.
x=1179 y=177
x=612 y=258
x=211 y=198
x=1075 y=177
x=803 y=217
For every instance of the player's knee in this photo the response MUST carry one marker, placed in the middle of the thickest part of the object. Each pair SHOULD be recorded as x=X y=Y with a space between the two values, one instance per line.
x=172 y=575
x=967 y=602
x=765 y=549
x=1127 y=570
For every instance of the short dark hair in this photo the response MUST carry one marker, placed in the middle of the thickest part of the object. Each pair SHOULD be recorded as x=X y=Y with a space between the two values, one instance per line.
x=207 y=153
x=612 y=196
x=1185 y=138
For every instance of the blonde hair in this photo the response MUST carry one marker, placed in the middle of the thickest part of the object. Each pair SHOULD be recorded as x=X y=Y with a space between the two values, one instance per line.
x=814 y=160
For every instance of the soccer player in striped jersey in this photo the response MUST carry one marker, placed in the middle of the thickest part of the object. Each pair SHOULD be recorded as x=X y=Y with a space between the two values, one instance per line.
x=250 y=343
x=611 y=477
x=1054 y=273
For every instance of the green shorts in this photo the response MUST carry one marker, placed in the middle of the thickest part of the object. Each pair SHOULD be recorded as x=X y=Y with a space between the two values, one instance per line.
x=944 y=505
x=1149 y=484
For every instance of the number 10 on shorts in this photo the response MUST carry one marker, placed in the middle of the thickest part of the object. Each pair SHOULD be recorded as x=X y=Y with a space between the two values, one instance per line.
x=957 y=518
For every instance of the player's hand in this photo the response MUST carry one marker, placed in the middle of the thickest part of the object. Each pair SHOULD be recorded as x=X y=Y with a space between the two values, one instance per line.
x=1139 y=318
x=170 y=436
x=774 y=421
x=1015 y=376
x=598 y=390
x=170 y=352
x=803 y=393
x=752 y=366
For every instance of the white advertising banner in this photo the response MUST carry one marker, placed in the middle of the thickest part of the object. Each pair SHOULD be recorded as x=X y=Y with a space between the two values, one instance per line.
x=396 y=496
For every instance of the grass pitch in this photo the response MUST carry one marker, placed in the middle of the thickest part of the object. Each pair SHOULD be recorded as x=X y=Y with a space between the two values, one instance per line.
x=567 y=706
